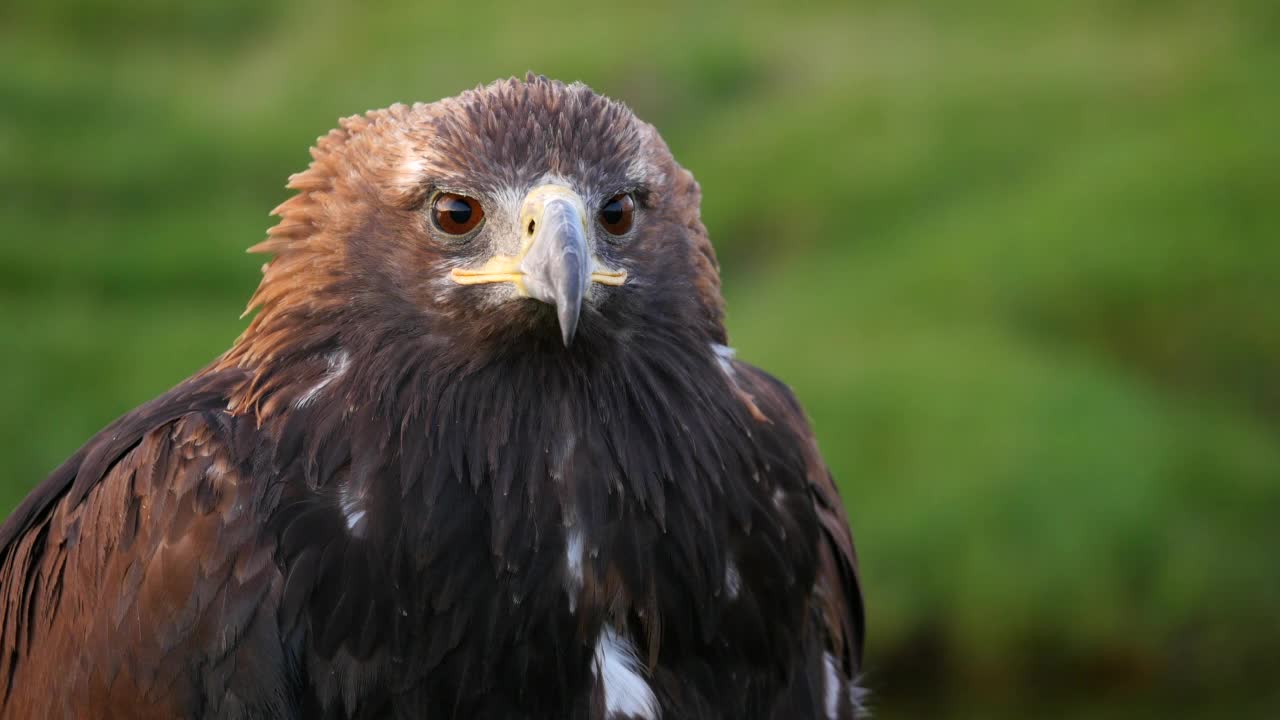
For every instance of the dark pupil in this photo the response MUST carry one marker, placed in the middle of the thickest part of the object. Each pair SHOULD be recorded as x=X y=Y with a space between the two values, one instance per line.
x=459 y=212
x=612 y=213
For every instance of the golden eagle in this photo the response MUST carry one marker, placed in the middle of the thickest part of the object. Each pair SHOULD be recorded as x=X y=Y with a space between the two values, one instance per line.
x=482 y=452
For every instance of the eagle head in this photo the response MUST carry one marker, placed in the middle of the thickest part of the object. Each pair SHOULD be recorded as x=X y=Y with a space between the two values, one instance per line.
x=513 y=215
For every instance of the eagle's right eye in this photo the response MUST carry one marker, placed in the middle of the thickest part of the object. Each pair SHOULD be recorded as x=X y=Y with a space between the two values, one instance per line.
x=456 y=214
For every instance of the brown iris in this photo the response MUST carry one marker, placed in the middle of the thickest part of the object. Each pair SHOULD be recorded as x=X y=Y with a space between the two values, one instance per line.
x=456 y=214
x=617 y=214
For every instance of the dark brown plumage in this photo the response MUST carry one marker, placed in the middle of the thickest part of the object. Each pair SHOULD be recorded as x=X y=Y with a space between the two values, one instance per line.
x=509 y=473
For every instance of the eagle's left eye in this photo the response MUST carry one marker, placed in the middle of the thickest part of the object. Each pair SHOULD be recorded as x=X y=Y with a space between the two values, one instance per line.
x=617 y=214
x=456 y=214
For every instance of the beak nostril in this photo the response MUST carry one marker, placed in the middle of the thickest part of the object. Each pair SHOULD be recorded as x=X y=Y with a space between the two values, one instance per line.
x=532 y=225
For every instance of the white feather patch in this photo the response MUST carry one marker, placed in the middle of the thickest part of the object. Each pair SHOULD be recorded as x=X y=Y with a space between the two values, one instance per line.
x=339 y=362
x=411 y=172
x=732 y=579
x=724 y=356
x=833 y=685
x=839 y=690
x=352 y=507
x=618 y=669
x=574 y=547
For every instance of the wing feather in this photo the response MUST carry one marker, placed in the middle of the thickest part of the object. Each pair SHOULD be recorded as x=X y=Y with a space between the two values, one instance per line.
x=132 y=576
x=837 y=590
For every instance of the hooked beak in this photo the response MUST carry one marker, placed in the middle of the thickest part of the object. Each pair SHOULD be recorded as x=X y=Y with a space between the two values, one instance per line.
x=556 y=268
x=554 y=264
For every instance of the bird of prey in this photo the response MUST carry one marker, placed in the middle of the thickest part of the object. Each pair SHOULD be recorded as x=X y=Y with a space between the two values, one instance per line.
x=483 y=451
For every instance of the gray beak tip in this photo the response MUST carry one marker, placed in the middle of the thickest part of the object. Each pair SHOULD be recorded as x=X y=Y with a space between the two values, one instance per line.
x=567 y=312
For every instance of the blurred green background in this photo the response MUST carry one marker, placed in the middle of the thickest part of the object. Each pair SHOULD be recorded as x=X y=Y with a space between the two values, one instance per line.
x=1021 y=261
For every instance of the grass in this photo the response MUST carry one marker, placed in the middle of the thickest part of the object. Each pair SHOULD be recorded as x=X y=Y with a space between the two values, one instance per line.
x=1019 y=261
